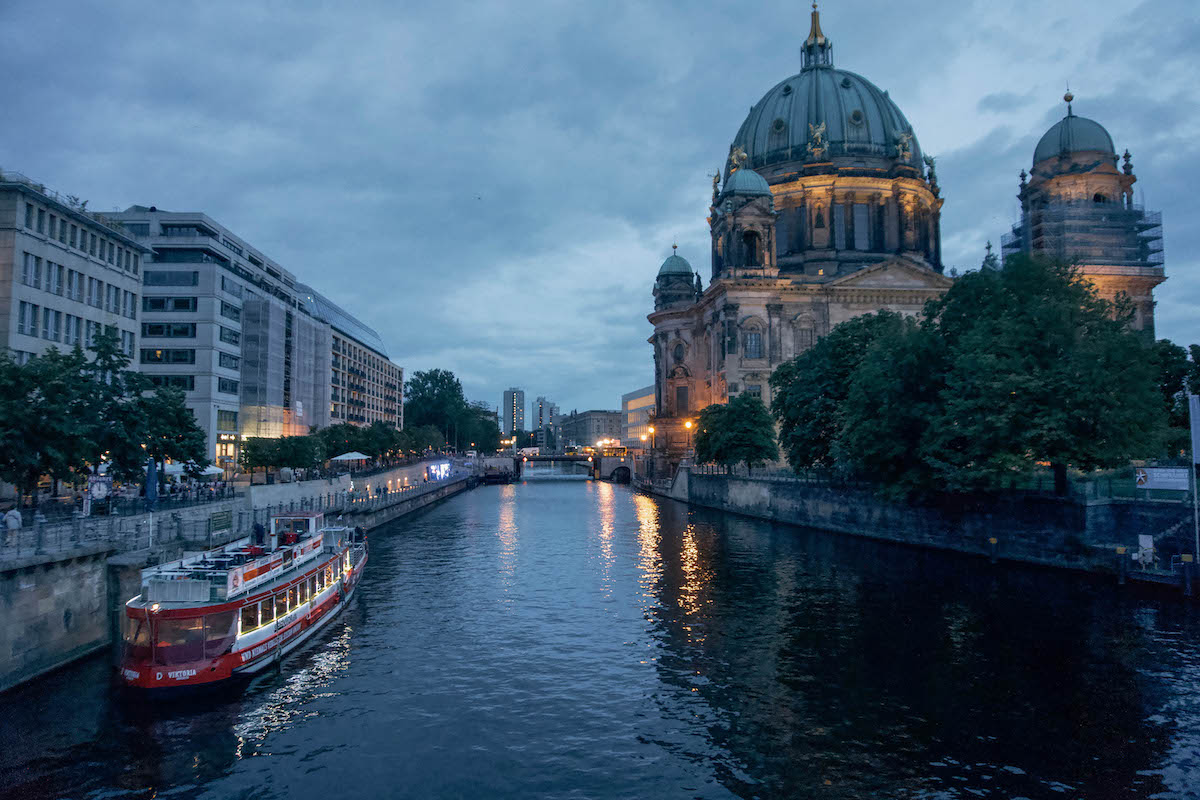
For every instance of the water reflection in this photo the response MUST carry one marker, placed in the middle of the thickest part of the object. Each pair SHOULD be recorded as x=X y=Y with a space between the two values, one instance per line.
x=580 y=640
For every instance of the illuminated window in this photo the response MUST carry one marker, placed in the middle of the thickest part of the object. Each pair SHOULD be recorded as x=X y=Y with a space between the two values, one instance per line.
x=754 y=344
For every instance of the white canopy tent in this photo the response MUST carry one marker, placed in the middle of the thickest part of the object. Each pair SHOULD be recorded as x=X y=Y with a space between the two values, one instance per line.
x=353 y=455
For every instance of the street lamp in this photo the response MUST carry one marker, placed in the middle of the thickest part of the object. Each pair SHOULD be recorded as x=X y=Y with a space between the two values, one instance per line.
x=651 y=437
x=688 y=425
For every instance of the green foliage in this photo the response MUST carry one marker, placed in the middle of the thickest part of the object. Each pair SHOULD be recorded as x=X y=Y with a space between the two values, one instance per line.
x=1008 y=370
x=435 y=397
x=61 y=414
x=810 y=390
x=738 y=432
x=297 y=452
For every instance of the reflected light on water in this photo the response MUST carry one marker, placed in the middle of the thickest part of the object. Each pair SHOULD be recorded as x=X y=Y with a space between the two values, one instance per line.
x=506 y=532
x=284 y=706
x=649 y=541
x=607 y=501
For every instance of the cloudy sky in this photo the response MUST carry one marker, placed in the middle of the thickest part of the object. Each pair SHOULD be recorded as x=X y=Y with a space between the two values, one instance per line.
x=492 y=186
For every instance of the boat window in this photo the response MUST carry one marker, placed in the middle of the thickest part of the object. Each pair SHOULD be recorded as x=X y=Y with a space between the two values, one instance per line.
x=220 y=632
x=312 y=585
x=137 y=638
x=303 y=587
x=281 y=604
x=320 y=579
x=329 y=574
x=249 y=617
x=267 y=610
x=180 y=641
x=292 y=598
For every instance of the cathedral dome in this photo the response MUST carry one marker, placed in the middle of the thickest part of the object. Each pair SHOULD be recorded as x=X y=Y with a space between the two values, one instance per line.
x=675 y=265
x=824 y=114
x=1073 y=134
x=747 y=182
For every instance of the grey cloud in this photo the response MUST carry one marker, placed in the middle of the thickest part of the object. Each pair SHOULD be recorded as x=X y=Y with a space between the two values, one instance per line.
x=351 y=142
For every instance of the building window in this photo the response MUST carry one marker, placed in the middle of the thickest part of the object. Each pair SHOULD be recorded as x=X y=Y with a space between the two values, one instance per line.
x=74 y=235
x=41 y=226
x=169 y=330
x=227 y=420
x=53 y=226
x=29 y=216
x=862 y=227
x=138 y=228
x=31 y=268
x=227 y=386
x=837 y=211
x=754 y=390
x=231 y=287
x=156 y=277
x=681 y=399
x=230 y=336
x=754 y=345
x=127 y=343
x=131 y=305
x=185 y=382
x=46 y=315
x=169 y=303
x=113 y=299
x=150 y=356
x=54 y=278
x=27 y=320
x=231 y=311
x=92 y=244
x=227 y=361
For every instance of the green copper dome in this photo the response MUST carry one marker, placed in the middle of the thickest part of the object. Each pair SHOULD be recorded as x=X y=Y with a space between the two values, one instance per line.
x=747 y=182
x=675 y=265
x=1073 y=134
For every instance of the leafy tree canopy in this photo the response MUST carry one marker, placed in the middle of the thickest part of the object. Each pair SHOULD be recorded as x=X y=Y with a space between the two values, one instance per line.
x=738 y=432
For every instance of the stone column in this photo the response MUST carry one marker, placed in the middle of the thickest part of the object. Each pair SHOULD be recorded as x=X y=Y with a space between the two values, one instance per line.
x=848 y=216
x=774 y=334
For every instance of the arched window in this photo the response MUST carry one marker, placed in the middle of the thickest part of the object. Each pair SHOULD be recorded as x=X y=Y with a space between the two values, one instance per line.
x=1099 y=197
x=753 y=245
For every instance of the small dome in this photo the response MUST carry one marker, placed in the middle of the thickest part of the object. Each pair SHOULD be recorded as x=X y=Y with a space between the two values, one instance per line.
x=1074 y=134
x=747 y=182
x=675 y=265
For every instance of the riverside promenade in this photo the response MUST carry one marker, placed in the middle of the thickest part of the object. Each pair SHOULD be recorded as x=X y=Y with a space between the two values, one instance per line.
x=62 y=584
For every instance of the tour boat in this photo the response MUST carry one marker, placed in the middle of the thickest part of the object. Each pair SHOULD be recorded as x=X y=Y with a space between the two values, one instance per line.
x=239 y=609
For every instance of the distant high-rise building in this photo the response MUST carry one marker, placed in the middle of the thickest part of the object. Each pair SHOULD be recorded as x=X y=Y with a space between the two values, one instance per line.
x=513 y=410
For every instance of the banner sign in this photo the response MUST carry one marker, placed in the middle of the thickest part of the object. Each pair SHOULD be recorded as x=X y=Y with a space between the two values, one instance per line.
x=1175 y=479
x=1194 y=409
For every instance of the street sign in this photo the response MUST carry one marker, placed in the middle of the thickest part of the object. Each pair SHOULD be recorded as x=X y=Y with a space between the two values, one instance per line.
x=221 y=521
x=1173 y=479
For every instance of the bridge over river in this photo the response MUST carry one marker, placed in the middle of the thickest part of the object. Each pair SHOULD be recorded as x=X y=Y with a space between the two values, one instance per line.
x=618 y=469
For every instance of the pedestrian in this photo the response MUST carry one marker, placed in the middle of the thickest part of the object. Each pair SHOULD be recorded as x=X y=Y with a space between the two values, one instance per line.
x=12 y=525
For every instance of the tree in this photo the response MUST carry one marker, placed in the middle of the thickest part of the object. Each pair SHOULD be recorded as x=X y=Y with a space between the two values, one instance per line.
x=435 y=397
x=1173 y=369
x=740 y=431
x=810 y=390
x=171 y=431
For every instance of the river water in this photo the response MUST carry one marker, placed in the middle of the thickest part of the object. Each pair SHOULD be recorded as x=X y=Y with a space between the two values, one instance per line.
x=578 y=640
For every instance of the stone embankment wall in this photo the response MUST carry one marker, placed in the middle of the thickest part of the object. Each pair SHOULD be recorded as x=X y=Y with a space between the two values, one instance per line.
x=55 y=610
x=1035 y=529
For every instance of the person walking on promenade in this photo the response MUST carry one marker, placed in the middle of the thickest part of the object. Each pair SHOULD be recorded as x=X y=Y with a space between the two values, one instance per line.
x=12 y=525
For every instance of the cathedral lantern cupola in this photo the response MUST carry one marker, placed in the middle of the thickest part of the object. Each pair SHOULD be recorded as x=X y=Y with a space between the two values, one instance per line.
x=818 y=50
x=676 y=285
x=743 y=223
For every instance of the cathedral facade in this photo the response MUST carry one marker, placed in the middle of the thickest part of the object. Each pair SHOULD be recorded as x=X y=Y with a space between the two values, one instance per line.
x=825 y=210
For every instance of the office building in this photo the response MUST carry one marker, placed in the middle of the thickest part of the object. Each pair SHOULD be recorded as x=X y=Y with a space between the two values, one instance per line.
x=366 y=387
x=637 y=409
x=585 y=428
x=545 y=417
x=65 y=273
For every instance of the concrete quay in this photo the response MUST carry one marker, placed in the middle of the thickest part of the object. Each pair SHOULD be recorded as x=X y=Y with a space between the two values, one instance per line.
x=63 y=586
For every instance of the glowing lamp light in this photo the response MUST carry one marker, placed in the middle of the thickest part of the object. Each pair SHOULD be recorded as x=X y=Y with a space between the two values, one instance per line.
x=652 y=429
x=154 y=608
x=643 y=437
x=688 y=424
